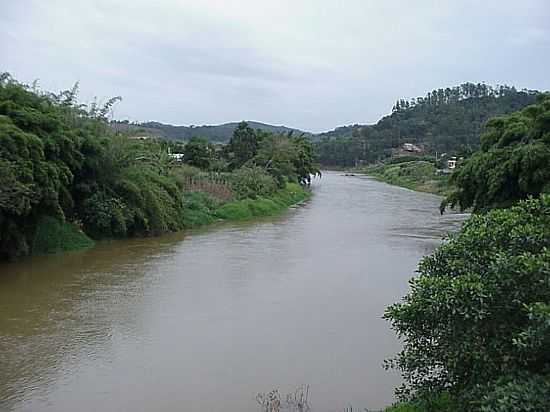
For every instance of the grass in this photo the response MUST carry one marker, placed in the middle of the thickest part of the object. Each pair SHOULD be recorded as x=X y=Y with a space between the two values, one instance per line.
x=200 y=209
x=54 y=236
x=416 y=175
x=253 y=208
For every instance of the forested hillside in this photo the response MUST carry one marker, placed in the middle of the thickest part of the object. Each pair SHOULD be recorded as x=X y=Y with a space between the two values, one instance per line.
x=215 y=133
x=445 y=120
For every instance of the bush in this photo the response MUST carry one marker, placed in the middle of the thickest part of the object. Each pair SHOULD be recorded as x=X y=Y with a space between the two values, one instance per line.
x=479 y=308
x=251 y=208
x=103 y=216
x=53 y=236
x=523 y=393
x=251 y=183
x=198 y=209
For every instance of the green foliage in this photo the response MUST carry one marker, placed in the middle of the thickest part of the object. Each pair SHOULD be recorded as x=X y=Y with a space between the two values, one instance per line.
x=252 y=182
x=479 y=308
x=243 y=145
x=445 y=120
x=61 y=159
x=520 y=393
x=58 y=159
x=53 y=236
x=104 y=216
x=415 y=175
x=38 y=156
x=198 y=209
x=199 y=153
x=286 y=158
x=249 y=209
x=513 y=162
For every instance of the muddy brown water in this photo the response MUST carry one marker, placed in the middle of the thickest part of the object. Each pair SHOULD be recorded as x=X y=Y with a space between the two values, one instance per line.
x=203 y=321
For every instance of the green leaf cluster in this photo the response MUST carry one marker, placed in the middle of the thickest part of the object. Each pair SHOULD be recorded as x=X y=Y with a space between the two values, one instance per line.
x=479 y=312
x=513 y=163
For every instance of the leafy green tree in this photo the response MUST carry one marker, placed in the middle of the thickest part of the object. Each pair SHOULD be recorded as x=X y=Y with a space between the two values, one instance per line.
x=38 y=156
x=60 y=159
x=513 y=162
x=304 y=160
x=199 y=152
x=286 y=158
x=479 y=310
x=243 y=145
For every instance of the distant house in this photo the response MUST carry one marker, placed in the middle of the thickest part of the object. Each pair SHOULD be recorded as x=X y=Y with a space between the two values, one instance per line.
x=409 y=147
x=451 y=163
x=178 y=157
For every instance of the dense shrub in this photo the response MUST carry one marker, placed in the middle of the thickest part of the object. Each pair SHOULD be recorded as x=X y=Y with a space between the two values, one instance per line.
x=252 y=182
x=198 y=209
x=516 y=393
x=479 y=308
x=512 y=163
x=53 y=236
x=251 y=208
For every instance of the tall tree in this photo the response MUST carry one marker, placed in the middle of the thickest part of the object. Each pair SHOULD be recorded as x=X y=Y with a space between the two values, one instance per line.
x=513 y=162
x=243 y=145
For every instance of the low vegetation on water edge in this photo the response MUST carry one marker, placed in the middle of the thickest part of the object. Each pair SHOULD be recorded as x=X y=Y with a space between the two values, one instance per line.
x=67 y=176
x=201 y=209
x=420 y=175
x=53 y=236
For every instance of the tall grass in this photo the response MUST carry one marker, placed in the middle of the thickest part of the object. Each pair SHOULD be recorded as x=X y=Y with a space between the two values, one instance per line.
x=251 y=208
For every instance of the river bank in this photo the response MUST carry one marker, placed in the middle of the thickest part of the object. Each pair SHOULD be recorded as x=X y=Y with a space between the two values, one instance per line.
x=199 y=209
x=421 y=176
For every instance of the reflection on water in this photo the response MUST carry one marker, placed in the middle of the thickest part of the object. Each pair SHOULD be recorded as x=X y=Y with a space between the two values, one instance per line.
x=206 y=320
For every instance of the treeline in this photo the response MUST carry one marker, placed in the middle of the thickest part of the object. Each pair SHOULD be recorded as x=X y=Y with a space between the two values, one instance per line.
x=445 y=120
x=214 y=133
x=476 y=322
x=60 y=161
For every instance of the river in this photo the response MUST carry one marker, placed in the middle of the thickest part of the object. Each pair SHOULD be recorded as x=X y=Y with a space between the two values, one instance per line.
x=203 y=321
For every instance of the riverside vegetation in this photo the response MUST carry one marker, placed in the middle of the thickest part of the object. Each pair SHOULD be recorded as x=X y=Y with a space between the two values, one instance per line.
x=475 y=325
x=67 y=177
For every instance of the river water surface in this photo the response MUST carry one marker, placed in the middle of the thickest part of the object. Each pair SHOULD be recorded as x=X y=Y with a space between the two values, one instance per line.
x=203 y=321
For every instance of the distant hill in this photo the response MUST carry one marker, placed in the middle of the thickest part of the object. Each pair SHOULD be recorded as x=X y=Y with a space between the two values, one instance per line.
x=445 y=120
x=215 y=133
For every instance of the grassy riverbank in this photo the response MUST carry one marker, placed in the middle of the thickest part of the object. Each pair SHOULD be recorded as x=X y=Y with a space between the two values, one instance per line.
x=416 y=175
x=201 y=209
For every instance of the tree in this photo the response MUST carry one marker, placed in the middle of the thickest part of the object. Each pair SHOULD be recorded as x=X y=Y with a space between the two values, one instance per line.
x=478 y=314
x=199 y=152
x=512 y=163
x=243 y=145
x=443 y=121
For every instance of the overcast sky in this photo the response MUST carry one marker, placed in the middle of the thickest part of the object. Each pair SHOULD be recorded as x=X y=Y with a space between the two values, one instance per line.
x=313 y=64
